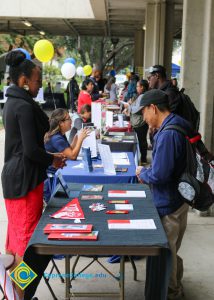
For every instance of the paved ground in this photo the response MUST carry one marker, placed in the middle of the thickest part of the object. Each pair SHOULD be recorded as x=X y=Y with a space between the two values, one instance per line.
x=197 y=251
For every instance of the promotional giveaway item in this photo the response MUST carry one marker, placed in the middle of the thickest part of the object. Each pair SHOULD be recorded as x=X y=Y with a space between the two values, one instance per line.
x=58 y=228
x=71 y=211
x=74 y=236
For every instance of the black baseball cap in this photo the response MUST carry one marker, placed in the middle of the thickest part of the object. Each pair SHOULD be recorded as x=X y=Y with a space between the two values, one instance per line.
x=153 y=96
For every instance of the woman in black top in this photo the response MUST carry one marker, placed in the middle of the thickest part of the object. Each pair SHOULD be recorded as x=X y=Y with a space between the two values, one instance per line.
x=25 y=160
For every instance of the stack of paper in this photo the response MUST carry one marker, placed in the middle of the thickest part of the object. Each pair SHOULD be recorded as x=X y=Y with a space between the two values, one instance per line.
x=120 y=158
x=132 y=224
x=122 y=194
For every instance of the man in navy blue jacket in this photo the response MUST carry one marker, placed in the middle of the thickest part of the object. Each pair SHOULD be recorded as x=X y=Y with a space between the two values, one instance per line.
x=168 y=163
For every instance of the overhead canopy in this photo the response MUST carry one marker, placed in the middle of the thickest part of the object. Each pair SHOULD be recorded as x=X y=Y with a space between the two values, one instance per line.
x=114 y=18
x=175 y=69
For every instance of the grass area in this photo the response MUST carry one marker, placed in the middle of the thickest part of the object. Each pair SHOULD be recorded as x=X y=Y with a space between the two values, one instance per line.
x=1 y=123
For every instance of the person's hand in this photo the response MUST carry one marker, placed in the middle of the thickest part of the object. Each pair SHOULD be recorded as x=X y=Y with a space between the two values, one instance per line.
x=84 y=133
x=126 y=105
x=126 y=112
x=59 y=161
x=138 y=171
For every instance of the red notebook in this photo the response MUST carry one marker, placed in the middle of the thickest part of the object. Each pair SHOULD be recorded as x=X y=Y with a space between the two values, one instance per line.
x=58 y=228
x=74 y=236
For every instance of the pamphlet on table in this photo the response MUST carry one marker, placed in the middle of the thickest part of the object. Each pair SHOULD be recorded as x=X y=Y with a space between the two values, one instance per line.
x=121 y=193
x=58 y=228
x=74 y=236
x=132 y=224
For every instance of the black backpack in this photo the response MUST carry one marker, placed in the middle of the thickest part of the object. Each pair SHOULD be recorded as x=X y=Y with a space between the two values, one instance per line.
x=196 y=183
x=182 y=105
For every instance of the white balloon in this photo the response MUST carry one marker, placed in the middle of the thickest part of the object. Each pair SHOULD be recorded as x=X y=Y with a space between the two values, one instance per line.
x=79 y=71
x=68 y=70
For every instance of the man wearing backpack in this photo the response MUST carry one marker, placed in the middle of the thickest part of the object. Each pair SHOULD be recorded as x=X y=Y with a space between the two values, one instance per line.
x=179 y=102
x=168 y=163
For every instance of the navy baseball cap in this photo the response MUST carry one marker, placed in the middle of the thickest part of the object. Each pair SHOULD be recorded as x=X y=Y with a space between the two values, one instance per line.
x=153 y=96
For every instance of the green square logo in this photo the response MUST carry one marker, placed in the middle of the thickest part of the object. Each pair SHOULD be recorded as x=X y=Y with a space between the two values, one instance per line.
x=23 y=275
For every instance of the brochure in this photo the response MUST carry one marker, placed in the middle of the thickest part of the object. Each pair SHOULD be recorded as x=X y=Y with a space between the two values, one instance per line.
x=74 y=236
x=58 y=228
x=92 y=188
x=132 y=224
x=92 y=197
x=119 y=193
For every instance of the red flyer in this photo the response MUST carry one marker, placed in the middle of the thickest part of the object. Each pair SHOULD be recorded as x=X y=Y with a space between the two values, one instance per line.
x=74 y=236
x=70 y=211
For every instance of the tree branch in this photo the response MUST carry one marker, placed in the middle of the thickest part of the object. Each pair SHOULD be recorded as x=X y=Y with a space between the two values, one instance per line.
x=117 y=50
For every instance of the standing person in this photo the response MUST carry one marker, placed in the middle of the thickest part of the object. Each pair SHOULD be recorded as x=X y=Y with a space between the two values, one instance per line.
x=25 y=160
x=158 y=80
x=111 y=88
x=78 y=119
x=124 y=91
x=72 y=92
x=137 y=122
x=85 y=93
x=95 y=77
x=100 y=80
x=168 y=163
x=174 y=82
x=132 y=92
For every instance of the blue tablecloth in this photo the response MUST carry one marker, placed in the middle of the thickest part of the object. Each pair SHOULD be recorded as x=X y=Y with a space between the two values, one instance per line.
x=71 y=174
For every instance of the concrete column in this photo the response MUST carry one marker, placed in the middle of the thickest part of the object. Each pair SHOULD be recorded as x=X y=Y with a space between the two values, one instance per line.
x=159 y=34
x=168 y=42
x=197 y=72
x=151 y=46
x=139 y=51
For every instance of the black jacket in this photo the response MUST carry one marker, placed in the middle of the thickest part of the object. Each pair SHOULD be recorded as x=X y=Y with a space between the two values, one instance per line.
x=25 y=160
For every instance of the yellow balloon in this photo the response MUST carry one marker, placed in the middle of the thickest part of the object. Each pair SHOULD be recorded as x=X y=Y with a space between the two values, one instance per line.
x=43 y=50
x=87 y=69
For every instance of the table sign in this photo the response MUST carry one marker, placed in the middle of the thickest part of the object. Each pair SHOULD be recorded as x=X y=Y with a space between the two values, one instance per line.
x=120 y=120
x=107 y=159
x=109 y=119
x=86 y=158
x=96 y=113
x=90 y=142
